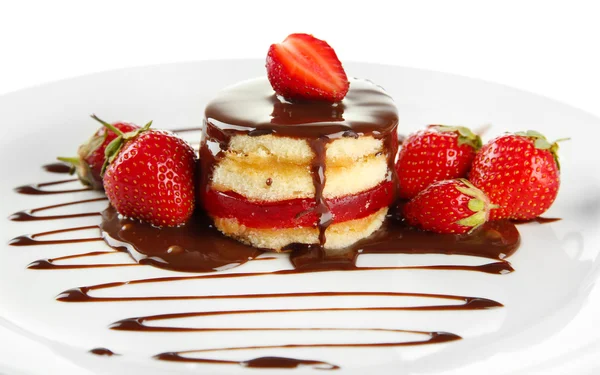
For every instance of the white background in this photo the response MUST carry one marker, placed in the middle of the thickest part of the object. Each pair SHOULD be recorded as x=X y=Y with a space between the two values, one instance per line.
x=547 y=47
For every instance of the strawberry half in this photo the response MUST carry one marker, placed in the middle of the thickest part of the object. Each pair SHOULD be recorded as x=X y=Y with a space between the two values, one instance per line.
x=303 y=67
x=90 y=155
x=450 y=206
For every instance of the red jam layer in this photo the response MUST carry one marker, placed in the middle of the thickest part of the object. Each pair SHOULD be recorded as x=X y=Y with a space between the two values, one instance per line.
x=299 y=212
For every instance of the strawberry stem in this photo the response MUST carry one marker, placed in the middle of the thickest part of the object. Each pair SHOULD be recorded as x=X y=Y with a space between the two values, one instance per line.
x=107 y=125
x=71 y=160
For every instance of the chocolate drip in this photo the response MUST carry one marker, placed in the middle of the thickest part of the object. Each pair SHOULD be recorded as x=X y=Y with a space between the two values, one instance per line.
x=57 y=168
x=30 y=240
x=317 y=171
x=28 y=215
x=103 y=351
x=37 y=189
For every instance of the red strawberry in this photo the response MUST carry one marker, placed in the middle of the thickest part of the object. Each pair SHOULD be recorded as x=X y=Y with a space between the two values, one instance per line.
x=88 y=164
x=303 y=67
x=435 y=154
x=149 y=175
x=520 y=173
x=450 y=206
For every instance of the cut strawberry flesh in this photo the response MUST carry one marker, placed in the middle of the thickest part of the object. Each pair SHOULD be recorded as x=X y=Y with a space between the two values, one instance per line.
x=295 y=212
x=303 y=67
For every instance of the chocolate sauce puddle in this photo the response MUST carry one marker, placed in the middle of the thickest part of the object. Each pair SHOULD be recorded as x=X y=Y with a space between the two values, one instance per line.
x=194 y=247
x=37 y=189
x=29 y=215
x=198 y=247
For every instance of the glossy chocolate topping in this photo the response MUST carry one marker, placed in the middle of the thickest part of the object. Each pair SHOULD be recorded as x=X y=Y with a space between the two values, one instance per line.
x=252 y=107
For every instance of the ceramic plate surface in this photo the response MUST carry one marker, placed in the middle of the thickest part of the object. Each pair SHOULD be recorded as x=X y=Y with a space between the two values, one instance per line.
x=551 y=304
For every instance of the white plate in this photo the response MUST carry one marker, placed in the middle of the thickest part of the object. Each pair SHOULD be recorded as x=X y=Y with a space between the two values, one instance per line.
x=552 y=305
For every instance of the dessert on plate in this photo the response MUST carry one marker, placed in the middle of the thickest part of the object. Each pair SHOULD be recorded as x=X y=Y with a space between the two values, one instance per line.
x=281 y=168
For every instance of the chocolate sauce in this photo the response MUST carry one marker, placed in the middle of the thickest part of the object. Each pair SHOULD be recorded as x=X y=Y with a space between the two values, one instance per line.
x=49 y=264
x=262 y=362
x=37 y=189
x=57 y=168
x=28 y=215
x=30 y=239
x=317 y=171
x=252 y=105
x=194 y=247
x=279 y=362
x=103 y=351
x=199 y=247
x=137 y=324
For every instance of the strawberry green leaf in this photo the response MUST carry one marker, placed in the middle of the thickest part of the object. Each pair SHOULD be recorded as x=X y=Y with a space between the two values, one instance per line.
x=465 y=135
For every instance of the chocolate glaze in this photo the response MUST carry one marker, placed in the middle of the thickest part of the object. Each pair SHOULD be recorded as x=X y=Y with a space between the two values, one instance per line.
x=253 y=109
x=37 y=189
x=103 y=351
x=57 y=168
x=252 y=105
x=28 y=215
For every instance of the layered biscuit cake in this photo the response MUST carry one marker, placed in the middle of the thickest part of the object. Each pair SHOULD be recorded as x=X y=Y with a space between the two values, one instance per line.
x=276 y=173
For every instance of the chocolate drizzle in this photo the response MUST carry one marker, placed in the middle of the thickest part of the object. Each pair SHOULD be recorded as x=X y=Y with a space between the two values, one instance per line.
x=29 y=215
x=37 y=189
x=262 y=362
x=57 y=168
x=281 y=362
x=103 y=351
x=31 y=239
